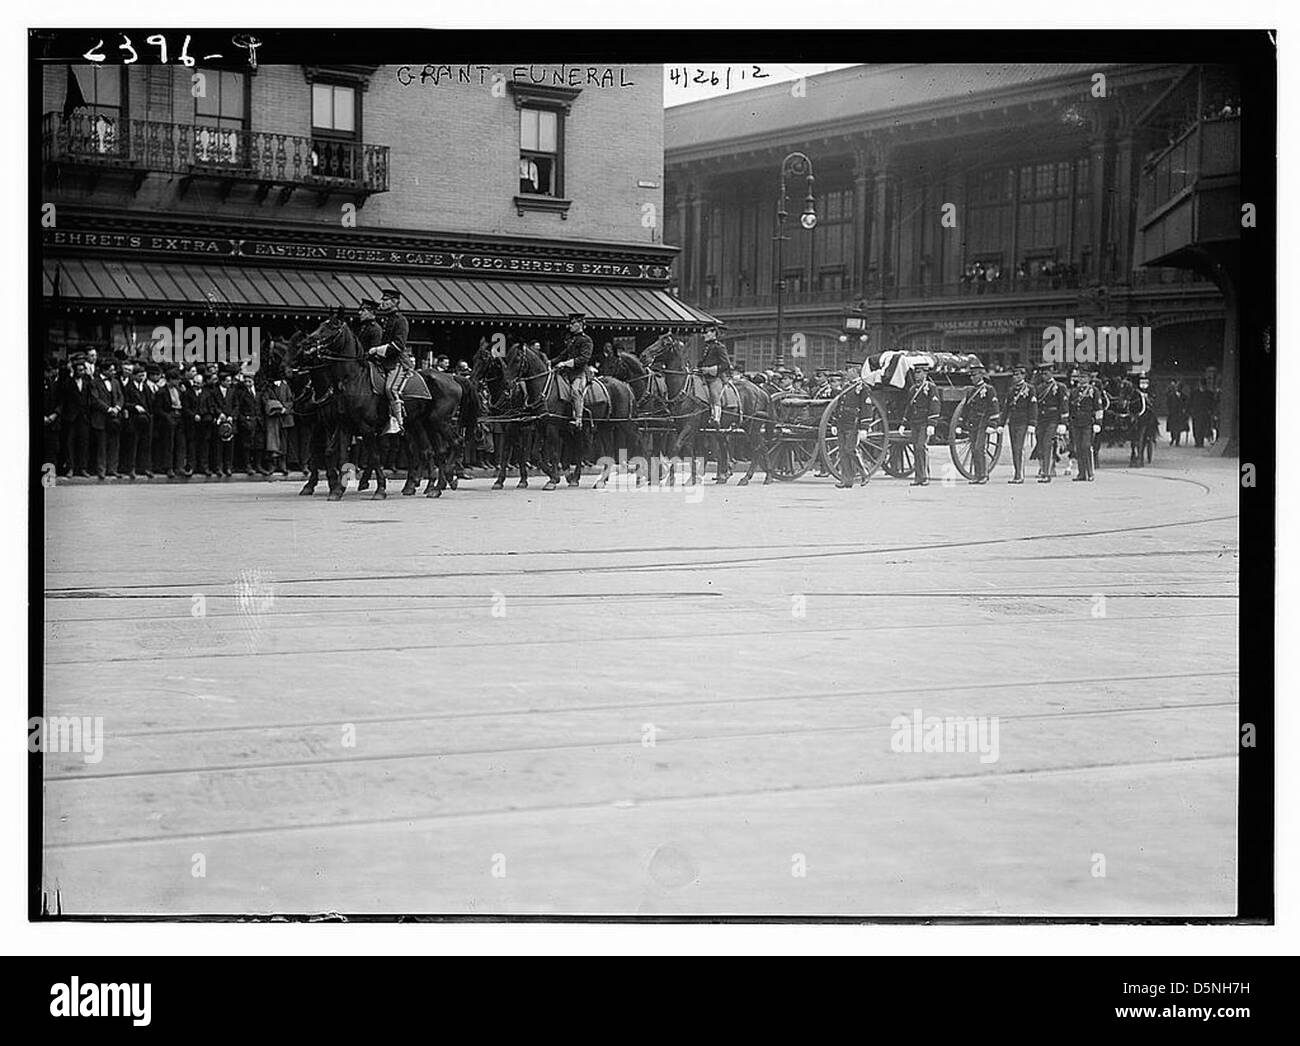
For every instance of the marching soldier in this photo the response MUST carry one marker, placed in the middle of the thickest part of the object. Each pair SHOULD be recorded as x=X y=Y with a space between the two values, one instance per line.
x=577 y=363
x=1085 y=411
x=715 y=368
x=392 y=351
x=1053 y=408
x=1020 y=417
x=980 y=416
x=1143 y=420
x=921 y=415
x=847 y=414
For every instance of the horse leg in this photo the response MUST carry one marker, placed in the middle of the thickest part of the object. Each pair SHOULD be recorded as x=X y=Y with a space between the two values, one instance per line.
x=373 y=457
x=763 y=448
x=755 y=442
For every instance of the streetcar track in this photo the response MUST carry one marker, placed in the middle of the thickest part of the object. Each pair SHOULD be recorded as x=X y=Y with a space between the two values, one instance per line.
x=711 y=564
x=515 y=642
x=649 y=801
x=815 y=695
x=623 y=742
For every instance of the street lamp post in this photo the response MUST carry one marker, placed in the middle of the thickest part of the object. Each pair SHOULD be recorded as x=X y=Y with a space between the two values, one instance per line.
x=793 y=165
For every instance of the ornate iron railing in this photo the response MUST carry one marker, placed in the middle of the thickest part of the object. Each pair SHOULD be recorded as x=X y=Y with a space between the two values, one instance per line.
x=101 y=138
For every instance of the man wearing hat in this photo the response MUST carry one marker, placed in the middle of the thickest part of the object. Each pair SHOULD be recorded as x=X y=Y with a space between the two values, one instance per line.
x=715 y=368
x=107 y=405
x=169 y=439
x=1020 y=417
x=392 y=351
x=980 y=414
x=137 y=426
x=1084 y=413
x=577 y=363
x=74 y=416
x=1053 y=406
x=848 y=411
x=1144 y=419
x=921 y=415
x=369 y=330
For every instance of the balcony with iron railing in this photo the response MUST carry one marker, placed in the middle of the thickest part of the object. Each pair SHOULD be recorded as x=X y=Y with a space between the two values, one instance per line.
x=231 y=155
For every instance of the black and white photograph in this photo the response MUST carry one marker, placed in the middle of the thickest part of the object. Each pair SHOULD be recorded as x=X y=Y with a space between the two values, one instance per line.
x=635 y=476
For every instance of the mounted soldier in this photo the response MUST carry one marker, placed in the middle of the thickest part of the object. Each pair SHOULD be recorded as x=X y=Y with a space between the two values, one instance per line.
x=715 y=369
x=392 y=353
x=576 y=363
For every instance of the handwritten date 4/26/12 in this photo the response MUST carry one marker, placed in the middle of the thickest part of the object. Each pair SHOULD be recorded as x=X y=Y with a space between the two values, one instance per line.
x=715 y=76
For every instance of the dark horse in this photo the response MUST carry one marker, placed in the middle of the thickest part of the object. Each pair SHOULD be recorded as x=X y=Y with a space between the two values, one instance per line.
x=510 y=439
x=649 y=391
x=608 y=403
x=747 y=413
x=340 y=372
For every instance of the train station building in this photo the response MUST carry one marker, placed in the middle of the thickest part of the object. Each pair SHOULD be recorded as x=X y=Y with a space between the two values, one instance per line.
x=495 y=199
x=958 y=208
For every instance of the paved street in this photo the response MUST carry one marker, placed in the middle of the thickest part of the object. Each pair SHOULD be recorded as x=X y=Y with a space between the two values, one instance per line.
x=651 y=703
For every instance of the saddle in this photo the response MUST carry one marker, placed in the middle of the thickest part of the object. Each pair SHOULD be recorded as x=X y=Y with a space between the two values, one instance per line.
x=416 y=388
x=596 y=392
x=698 y=388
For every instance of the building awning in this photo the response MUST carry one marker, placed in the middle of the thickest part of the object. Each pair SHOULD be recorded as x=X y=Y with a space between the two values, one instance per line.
x=252 y=289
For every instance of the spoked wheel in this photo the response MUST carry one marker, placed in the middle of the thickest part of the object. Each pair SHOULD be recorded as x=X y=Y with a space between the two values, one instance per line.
x=873 y=435
x=900 y=462
x=793 y=454
x=959 y=444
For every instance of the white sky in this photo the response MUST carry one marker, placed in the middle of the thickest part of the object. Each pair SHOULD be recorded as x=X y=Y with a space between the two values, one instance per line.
x=680 y=91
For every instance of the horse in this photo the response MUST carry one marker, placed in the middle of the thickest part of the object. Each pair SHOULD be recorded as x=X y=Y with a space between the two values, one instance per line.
x=649 y=391
x=747 y=408
x=313 y=408
x=546 y=402
x=509 y=439
x=335 y=356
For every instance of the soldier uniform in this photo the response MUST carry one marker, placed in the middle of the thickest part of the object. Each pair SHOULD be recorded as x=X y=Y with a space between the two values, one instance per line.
x=1085 y=411
x=1020 y=417
x=576 y=362
x=980 y=413
x=921 y=415
x=715 y=368
x=1053 y=408
x=1143 y=420
x=847 y=415
x=392 y=352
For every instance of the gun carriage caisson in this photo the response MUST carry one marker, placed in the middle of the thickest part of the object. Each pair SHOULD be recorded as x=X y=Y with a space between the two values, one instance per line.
x=883 y=391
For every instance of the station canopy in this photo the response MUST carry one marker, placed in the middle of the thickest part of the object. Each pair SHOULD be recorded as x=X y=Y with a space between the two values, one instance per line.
x=255 y=289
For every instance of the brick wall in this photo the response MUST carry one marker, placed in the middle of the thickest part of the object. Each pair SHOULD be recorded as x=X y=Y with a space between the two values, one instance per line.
x=454 y=152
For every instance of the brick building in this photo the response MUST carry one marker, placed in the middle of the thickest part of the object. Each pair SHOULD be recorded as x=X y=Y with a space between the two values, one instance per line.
x=959 y=208
x=496 y=198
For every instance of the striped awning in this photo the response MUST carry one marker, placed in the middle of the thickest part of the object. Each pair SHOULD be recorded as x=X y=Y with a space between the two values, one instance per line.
x=230 y=288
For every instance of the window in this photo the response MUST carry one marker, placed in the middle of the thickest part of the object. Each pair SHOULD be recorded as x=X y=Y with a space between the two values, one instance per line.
x=220 y=115
x=335 y=128
x=103 y=119
x=333 y=110
x=539 y=152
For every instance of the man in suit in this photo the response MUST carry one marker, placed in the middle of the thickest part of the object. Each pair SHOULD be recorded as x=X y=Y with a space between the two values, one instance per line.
x=51 y=391
x=74 y=417
x=980 y=416
x=224 y=408
x=107 y=406
x=848 y=412
x=1020 y=417
x=246 y=417
x=137 y=425
x=168 y=438
x=920 y=416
